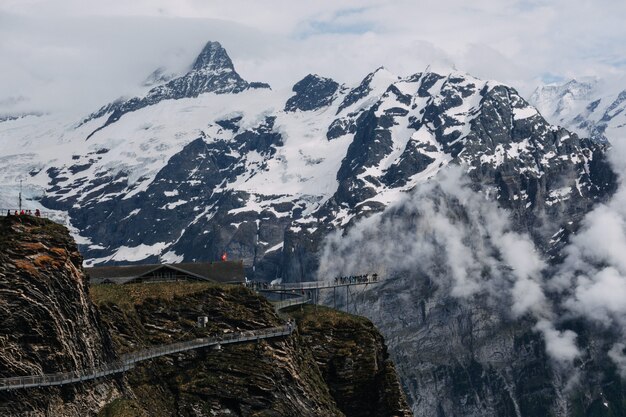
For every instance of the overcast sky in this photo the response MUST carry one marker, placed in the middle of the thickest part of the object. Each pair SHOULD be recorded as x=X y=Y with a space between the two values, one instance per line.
x=79 y=54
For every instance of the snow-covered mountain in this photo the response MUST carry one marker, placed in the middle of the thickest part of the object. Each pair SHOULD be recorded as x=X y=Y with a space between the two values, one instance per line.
x=207 y=161
x=583 y=107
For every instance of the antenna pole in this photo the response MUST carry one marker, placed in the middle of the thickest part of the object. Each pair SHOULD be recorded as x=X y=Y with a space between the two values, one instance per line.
x=20 y=196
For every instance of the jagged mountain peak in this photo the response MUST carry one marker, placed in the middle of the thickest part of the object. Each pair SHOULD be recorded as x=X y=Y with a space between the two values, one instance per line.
x=309 y=78
x=380 y=74
x=563 y=99
x=212 y=72
x=374 y=82
x=311 y=93
x=213 y=57
x=575 y=89
x=382 y=70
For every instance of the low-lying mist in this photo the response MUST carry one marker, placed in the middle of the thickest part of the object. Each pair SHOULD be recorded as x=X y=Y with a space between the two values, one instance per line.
x=469 y=247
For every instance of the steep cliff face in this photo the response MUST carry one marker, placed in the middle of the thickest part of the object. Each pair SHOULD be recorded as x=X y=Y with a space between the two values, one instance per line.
x=466 y=359
x=354 y=362
x=48 y=321
x=465 y=353
x=345 y=374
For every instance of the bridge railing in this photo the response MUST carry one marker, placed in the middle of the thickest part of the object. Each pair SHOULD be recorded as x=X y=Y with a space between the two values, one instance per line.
x=127 y=361
x=279 y=305
x=312 y=285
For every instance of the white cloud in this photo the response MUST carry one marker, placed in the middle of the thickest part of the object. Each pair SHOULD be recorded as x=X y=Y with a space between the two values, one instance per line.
x=76 y=54
x=618 y=357
x=592 y=279
x=601 y=296
x=464 y=244
x=560 y=345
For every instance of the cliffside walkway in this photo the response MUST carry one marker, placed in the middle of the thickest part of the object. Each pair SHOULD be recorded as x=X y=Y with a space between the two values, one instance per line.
x=126 y=362
x=315 y=285
x=290 y=302
x=312 y=288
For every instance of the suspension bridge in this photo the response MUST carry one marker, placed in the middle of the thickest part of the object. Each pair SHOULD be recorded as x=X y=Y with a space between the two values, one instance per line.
x=128 y=361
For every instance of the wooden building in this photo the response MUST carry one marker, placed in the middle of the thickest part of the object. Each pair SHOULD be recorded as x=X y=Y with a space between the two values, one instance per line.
x=218 y=272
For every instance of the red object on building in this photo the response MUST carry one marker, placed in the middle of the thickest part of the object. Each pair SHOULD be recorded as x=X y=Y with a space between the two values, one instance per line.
x=224 y=257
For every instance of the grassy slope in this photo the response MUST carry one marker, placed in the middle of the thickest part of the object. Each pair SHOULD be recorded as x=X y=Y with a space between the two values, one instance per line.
x=128 y=296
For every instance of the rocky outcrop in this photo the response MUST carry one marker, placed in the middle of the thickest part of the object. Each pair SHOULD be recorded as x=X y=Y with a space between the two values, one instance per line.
x=312 y=92
x=354 y=362
x=468 y=359
x=48 y=321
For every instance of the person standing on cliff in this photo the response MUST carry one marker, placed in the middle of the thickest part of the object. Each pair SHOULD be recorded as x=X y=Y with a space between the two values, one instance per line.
x=37 y=213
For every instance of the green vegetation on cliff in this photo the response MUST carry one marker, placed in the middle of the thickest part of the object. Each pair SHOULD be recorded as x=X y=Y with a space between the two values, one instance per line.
x=128 y=296
x=337 y=365
x=276 y=377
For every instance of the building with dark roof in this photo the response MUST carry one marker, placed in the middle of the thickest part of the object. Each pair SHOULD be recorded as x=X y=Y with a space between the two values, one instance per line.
x=219 y=272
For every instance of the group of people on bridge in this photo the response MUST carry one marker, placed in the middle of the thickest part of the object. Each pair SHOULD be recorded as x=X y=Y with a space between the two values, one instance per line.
x=258 y=285
x=351 y=279
x=24 y=213
x=356 y=279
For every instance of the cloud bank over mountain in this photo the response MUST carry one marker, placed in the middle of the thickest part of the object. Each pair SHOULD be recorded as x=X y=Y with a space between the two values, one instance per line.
x=68 y=54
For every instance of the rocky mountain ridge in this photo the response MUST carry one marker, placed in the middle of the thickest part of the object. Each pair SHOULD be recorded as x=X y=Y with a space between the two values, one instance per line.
x=199 y=168
x=584 y=107
x=212 y=72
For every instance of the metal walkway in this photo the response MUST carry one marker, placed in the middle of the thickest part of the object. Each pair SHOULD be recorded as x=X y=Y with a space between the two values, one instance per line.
x=126 y=362
x=314 y=285
x=290 y=302
x=313 y=288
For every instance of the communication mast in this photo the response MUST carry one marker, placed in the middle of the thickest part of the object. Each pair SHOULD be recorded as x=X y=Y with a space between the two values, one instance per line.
x=20 y=196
